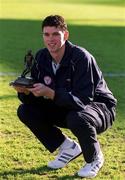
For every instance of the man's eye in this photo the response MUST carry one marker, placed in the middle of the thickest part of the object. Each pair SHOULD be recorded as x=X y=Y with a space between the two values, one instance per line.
x=56 y=34
x=45 y=34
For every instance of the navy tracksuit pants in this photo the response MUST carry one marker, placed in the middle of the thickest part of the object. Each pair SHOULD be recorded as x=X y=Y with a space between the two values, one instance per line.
x=45 y=121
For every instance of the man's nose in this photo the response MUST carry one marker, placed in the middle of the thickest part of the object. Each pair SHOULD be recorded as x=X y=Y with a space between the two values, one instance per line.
x=51 y=36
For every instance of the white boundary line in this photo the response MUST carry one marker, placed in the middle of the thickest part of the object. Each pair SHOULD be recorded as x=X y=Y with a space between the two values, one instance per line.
x=8 y=74
x=114 y=74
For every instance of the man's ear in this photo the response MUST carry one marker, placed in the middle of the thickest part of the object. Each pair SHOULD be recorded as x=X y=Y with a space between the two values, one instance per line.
x=66 y=35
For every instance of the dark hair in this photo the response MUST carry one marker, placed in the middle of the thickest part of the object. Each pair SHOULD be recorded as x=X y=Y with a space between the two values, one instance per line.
x=54 y=20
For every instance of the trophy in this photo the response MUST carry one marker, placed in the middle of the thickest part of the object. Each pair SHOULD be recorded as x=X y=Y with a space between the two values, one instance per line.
x=23 y=80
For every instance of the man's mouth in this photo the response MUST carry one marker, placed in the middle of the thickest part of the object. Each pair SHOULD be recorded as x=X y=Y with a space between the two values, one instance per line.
x=51 y=45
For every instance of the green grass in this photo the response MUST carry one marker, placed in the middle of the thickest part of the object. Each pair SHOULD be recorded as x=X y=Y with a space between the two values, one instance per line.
x=97 y=25
x=23 y=157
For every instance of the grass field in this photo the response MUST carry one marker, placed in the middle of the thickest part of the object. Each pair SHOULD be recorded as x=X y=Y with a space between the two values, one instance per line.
x=99 y=26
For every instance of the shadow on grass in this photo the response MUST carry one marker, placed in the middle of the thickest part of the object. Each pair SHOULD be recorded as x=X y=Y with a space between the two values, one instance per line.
x=7 y=97
x=16 y=172
x=41 y=171
x=106 y=43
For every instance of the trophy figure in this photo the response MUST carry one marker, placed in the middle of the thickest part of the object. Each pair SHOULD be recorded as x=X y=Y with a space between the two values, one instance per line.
x=23 y=80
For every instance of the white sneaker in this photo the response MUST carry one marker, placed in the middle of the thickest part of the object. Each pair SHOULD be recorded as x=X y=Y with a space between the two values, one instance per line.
x=90 y=170
x=68 y=151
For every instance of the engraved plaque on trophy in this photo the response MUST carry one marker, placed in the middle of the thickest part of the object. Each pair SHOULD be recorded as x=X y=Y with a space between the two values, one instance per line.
x=23 y=80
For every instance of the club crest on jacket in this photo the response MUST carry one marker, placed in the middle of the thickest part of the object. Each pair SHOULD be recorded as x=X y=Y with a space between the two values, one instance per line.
x=47 y=80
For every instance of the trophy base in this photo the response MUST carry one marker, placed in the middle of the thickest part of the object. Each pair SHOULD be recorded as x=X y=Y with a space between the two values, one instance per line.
x=26 y=82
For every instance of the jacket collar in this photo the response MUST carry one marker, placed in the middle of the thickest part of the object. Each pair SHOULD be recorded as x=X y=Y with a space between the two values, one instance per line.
x=67 y=55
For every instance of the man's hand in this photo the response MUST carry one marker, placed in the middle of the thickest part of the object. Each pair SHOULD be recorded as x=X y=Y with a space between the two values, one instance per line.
x=42 y=90
x=21 y=89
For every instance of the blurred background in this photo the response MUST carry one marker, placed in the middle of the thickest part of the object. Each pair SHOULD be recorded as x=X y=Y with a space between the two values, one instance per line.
x=98 y=26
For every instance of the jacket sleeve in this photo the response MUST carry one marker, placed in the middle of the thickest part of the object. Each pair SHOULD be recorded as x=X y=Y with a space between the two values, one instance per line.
x=82 y=92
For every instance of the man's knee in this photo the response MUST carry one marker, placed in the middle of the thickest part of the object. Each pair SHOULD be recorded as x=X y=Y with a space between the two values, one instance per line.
x=70 y=120
x=22 y=112
x=73 y=120
x=77 y=121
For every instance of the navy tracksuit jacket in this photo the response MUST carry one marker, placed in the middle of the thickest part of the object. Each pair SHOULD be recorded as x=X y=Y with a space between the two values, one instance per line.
x=79 y=87
x=78 y=81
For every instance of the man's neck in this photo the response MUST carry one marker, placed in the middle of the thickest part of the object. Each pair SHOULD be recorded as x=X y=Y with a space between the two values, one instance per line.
x=57 y=56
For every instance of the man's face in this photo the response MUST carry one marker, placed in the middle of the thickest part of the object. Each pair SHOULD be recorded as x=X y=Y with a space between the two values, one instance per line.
x=54 y=38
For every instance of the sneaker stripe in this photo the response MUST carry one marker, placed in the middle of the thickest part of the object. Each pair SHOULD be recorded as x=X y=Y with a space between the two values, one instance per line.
x=74 y=145
x=97 y=165
x=96 y=168
x=65 y=157
x=69 y=155
x=62 y=160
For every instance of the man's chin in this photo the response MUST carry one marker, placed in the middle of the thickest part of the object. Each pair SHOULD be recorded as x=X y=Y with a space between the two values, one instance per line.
x=52 y=50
